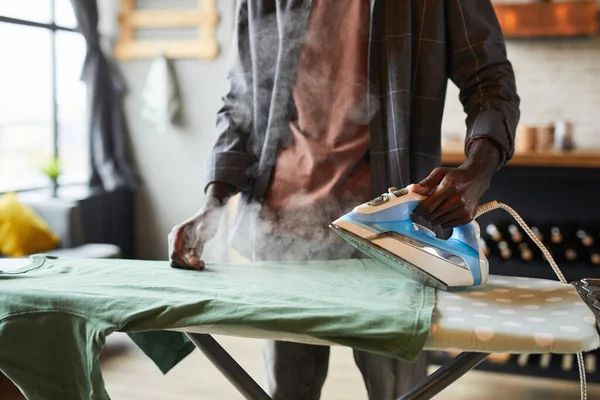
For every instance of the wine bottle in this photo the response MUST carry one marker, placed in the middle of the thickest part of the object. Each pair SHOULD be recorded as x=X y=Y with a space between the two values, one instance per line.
x=525 y=252
x=452 y=353
x=538 y=233
x=522 y=359
x=571 y=250
x=567 y=362
x=585 y=237
x=498 y=358
x=554 y=250
x=494 y=233
x=594 y=253
x=515 y=233
x=590 y=363
x=556 y=235
x=505 y=250
x=545 y=360
x=487 y=249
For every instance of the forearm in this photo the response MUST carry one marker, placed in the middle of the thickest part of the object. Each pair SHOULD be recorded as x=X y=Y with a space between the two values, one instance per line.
x=231 y=159
x=485 y=156
x=217 y=195
x=483 y=74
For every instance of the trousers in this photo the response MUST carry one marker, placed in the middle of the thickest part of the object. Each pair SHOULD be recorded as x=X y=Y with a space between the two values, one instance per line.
x=298 y=371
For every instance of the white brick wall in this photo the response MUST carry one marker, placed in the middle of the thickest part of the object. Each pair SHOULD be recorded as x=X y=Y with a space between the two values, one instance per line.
x=556 y=79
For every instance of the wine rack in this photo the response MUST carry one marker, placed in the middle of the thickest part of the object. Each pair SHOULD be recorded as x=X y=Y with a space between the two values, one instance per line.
x=556 y=366
x=574 y=246
x=545 y=197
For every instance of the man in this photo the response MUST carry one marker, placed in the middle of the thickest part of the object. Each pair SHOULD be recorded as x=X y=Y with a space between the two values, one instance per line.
x=331 y=103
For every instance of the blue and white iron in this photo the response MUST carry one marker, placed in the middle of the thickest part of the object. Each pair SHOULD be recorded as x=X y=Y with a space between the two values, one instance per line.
x=382 y=229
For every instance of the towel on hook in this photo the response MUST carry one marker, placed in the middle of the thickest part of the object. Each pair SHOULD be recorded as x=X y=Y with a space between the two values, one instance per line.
x=160 y=95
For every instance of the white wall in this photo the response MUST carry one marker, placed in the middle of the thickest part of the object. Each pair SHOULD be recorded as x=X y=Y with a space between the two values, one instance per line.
x=171 y=166
x=556 y=79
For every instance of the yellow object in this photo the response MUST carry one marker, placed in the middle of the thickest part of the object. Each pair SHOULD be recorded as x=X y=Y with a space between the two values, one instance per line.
x=22 y=231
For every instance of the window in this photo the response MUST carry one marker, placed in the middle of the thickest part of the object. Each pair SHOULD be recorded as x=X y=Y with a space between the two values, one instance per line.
x=42 y=100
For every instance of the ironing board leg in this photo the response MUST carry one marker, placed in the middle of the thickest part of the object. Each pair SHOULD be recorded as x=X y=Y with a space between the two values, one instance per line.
x=228 y=367
x=239 y=378
x=445 y=376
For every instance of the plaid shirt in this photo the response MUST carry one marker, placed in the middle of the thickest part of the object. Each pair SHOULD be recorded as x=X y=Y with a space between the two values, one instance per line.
x=415 y=47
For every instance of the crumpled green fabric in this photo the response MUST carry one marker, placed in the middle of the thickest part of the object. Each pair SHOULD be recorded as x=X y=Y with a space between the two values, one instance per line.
x=56 y=313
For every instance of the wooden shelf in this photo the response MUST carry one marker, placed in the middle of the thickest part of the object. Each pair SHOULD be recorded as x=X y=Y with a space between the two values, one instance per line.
x=547 y=19
x=204 y=18
x=571 y=159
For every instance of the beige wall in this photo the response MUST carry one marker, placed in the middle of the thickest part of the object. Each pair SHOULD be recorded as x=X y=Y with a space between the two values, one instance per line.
x=556 y=79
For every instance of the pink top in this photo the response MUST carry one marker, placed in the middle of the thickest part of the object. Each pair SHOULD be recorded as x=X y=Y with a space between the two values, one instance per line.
x=324 y=171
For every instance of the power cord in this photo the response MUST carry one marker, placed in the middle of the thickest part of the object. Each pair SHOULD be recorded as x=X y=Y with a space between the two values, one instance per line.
x=494 y=205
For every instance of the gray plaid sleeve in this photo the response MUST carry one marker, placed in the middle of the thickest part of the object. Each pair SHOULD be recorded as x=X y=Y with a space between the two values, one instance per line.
x=231 y=160
x=481 y=70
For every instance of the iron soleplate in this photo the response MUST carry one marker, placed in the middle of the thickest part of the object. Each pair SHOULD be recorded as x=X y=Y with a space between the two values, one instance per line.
x=390 y=259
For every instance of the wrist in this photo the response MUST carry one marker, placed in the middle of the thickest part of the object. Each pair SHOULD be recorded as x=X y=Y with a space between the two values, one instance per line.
x=483 y=155
x=217 y=195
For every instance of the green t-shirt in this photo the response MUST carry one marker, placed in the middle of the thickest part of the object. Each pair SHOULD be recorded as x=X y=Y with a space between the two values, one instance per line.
x=56 y=313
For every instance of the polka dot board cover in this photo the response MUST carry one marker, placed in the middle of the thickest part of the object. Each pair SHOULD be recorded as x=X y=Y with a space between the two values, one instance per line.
x=513 y=315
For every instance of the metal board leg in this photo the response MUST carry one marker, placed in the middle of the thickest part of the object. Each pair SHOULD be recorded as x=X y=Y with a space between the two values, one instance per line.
x=228 y=367
x=446 y=375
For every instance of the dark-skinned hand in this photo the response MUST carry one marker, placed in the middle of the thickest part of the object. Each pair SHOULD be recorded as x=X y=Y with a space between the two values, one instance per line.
x=454 y=193
x=187 y=240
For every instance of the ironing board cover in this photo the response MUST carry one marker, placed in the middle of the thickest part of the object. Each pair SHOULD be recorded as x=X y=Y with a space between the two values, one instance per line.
x=514 y=315
x=509 y=315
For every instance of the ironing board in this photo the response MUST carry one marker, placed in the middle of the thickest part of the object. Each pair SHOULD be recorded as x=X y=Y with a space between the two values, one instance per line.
x=509 y=315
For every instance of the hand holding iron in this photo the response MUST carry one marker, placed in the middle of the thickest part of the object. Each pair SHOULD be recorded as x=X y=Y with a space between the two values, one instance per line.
x=454 y=193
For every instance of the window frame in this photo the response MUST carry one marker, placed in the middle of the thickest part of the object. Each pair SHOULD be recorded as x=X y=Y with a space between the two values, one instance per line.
x=54 y=28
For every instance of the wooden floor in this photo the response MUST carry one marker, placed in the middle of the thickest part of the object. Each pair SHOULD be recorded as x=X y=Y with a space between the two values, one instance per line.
x=129 y=375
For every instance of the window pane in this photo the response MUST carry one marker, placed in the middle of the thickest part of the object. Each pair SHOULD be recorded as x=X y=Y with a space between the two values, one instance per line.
x=63 y=14
x=71 y=96
x=31 y=10
x=26 y=138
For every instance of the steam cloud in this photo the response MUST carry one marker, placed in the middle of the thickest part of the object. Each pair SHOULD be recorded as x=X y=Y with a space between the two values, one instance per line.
x=299 y=233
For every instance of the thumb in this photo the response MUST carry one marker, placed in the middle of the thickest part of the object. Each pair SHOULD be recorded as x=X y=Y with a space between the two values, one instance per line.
x=429 y=183
x=194 y=256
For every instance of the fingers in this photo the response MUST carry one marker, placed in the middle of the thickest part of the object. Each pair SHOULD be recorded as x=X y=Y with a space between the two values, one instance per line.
x=186 y=261
x=186 y=241
x=429 y=206
x=453 y=195
x=193 y=263
x=428 y=184
x=192 y=256
x=458 y=215
x=463 y=220
x=453 y=202
x=182 y=254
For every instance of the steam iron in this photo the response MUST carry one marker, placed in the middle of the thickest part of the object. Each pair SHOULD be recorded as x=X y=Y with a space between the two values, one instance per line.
x=383 y=230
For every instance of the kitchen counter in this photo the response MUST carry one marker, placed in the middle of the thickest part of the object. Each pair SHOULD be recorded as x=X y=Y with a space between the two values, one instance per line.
x=567 y=159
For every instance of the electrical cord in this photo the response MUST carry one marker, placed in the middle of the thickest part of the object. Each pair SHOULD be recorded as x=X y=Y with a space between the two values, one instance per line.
x=494 y=205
